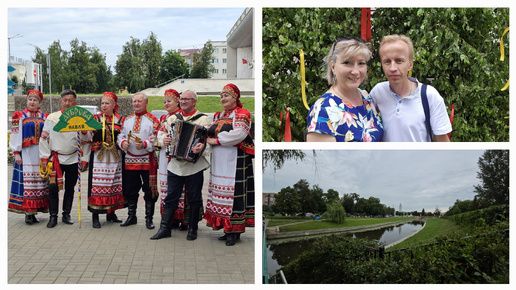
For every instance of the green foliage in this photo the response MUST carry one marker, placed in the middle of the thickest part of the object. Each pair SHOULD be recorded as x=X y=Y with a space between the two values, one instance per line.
x=285 y=31
x=486 y=217
x=202 y=66
x=459 y=48
x=494 y=174
x=173 y=66
x=341 y=260
x=335 y=212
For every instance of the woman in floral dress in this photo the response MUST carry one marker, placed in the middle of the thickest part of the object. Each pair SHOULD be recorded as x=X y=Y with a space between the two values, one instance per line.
x=345 y=112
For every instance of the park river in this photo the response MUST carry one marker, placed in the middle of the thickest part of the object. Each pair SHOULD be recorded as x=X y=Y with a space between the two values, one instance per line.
x=281 y=253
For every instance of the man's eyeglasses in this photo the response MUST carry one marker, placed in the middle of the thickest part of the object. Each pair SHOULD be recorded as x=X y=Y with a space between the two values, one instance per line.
x=185 y=99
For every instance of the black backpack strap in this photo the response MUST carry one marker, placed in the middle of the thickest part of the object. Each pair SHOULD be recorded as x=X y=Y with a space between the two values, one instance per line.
x=179 y=117
x=196 y=117
x=426 y=109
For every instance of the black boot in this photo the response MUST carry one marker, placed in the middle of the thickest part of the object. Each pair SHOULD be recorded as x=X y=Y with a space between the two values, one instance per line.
x=67 y=208
x=111 y=217
x=164 y=226
x=53 y=204
x=231 y=239
x=34 y=219
x=193 y=221
x=131 y=215
x=28 y=219
x=96 y=222
x=225 y=237
x=149 y=214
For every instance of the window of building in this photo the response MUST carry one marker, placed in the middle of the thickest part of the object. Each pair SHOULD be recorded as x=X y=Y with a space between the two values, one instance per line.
x=224 y=71
x=223 y=60
x=216 y=70
x=216 y=50
x=224 y=50
x=215 y=60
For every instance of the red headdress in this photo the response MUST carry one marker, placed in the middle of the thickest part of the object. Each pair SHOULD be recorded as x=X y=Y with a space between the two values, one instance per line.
x=35 y=93
x=233 y=91
x=113 y=98
x=171 y=93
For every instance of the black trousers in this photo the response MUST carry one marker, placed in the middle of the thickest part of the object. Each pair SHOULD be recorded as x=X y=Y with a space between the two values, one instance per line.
x=70 y=176
x=133 y=181
x=194 y=184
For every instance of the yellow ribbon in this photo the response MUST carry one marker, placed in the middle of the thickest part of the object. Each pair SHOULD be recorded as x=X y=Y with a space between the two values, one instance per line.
x=303 y=81
x=502 y=55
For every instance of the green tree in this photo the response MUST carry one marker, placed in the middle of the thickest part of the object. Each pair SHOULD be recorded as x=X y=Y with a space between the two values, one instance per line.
x=456 y=51
x=173 y=66
x=103 y=73
x=287 y=201
x=82 y=70
x=60 y=72
x=335 y=212
x=305 y=195
x=202 y=66
x=129 y=67
x=331 y=196
x=348 y=202
x=494 y=176
x=317 y=203
x=152 y=63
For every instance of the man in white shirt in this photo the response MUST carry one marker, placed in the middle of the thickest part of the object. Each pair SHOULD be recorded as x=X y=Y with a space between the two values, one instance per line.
x=183 y=172
x=399 y=99
x=61 y=149
x=140 y=163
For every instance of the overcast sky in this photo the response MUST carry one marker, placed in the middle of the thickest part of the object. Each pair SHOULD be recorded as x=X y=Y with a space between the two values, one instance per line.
x=109 y=29
x=415 y=178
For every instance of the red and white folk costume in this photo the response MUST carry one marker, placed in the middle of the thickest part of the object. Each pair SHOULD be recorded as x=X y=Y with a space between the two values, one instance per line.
x=105 y=173
x=230 y=204
x=29 y=192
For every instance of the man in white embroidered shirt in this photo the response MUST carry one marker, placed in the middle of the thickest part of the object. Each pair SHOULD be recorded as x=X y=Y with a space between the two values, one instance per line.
x=140 y=163
x=399 y=99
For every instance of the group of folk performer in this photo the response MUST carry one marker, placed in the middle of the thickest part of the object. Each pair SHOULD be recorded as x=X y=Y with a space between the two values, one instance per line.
x=121 y=159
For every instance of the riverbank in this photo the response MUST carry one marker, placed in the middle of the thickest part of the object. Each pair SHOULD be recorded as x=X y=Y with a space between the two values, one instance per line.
x=433 y=228
x=275 y=236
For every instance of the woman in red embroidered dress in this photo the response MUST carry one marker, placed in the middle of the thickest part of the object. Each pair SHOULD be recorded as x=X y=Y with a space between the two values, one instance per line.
x=29 y=191
x=230 y=204
x=105 y=174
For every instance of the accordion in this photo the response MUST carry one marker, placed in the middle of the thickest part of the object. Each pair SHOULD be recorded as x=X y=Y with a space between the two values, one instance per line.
x=185 y=136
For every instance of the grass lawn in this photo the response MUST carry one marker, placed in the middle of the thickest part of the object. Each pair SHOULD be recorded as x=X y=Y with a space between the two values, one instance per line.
x=349 y=222
x=205 y=104
x=434 y=227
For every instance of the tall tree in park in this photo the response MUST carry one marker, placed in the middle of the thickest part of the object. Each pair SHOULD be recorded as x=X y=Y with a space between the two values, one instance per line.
x=457 y=50
x=202 y=66
x=129 y=67
x=287 y=201
x=82 y=70
x=60 y=73
x=173 y=66
x=103 y=73
x=331 y=196
x=152 y=51
x=494 y=176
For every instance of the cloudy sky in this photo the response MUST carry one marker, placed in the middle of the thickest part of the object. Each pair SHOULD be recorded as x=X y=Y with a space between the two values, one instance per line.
x=109 y=29
x=415 y=178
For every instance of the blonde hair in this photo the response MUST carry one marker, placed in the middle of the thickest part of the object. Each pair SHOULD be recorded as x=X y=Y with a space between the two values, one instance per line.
x=346 y=49
x=194 y=94
x=397 y=37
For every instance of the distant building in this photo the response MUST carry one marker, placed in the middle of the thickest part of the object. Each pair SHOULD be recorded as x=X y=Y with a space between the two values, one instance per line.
x=187 y=55
x=219 y=59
